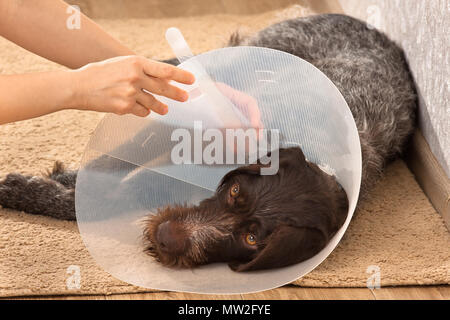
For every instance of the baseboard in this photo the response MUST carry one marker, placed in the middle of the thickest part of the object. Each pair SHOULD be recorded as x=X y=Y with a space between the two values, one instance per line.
x=430 y=175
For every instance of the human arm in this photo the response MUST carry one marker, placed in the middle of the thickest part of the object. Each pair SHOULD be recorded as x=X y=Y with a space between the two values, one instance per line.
x=29 y=22
x=114 y=85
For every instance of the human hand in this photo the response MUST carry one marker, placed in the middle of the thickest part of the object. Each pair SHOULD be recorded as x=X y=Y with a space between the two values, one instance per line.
x=245 y=103
x=248 y=106
x=125 y=85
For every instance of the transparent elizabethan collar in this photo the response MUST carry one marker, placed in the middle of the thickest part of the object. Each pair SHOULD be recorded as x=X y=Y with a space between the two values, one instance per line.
x=127 y=170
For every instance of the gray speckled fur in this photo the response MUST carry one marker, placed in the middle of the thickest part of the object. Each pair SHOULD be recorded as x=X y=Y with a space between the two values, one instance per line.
x=52 y=195
x=368 y=69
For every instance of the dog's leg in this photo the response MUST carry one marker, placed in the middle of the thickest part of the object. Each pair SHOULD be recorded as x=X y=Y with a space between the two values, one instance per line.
x=67 y=178
x=38 y=195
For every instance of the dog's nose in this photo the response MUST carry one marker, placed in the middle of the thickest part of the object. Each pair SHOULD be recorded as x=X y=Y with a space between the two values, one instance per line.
x=170 y=237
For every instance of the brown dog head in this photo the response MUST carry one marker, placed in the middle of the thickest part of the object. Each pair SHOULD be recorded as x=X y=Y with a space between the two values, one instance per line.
x=253 y=221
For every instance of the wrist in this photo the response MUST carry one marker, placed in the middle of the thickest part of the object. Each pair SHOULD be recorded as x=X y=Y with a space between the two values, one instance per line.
x=75 y=94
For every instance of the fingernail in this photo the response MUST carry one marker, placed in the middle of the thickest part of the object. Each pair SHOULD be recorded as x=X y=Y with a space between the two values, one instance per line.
x=192 y=80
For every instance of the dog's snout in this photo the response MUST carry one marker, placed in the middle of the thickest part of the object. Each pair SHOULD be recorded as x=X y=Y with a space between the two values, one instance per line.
x=171 y=237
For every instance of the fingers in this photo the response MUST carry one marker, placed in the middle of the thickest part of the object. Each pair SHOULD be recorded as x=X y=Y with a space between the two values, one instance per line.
x=150 y=102
x=163 y=88
x=139 y=110
x=253 y=112
x=246 y=103
x=166 y=71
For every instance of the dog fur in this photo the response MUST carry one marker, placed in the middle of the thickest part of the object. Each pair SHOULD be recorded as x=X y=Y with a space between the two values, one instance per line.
x=273 y=221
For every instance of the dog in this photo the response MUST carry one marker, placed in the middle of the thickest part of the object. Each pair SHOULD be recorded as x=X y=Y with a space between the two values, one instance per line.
x=253 y=221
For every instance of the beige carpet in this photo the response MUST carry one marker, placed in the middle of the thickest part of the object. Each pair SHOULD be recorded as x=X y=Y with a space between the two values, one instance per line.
x=397 y=230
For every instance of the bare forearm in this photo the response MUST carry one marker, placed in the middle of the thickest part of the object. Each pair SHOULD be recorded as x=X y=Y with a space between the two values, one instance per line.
x=120 y=85
x=109 y=77
x=31 y=95
x=40 y=26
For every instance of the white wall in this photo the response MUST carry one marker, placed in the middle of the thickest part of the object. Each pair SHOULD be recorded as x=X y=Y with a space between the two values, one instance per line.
x=422 y=28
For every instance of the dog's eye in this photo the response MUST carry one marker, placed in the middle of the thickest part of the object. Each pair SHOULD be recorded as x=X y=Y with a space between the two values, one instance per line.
x=250 y=239
x=234 y=191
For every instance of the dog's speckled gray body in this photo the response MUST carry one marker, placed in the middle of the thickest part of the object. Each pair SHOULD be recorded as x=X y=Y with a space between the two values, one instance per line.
x=368 y=68
x=370 y=71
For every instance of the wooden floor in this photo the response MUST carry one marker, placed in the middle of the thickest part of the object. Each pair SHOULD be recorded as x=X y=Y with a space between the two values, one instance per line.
x=289 y=293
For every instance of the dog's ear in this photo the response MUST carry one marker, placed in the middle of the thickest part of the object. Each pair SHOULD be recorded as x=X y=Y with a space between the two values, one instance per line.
x=286 y=246
x=252 y=169
x=292 y=155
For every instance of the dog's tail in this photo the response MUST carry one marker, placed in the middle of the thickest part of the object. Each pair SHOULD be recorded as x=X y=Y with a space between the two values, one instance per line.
x=51 y=195
x=236 y=39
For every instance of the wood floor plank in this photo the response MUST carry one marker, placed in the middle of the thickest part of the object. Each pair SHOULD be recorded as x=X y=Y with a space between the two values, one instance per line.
x=76 y=297
x=297 y=293
x=287 y=292
x=408 y=293
x=445 y=292
x=173 y=296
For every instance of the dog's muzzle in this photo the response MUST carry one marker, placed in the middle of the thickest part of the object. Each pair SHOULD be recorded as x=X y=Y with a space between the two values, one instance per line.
x=171 y=238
